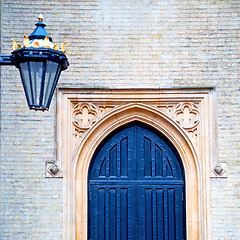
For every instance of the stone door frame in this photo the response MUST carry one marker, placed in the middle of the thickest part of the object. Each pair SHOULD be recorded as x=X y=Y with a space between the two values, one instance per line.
x=186 y=116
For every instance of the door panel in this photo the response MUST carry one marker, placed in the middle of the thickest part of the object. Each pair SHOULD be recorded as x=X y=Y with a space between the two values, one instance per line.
x=136 y=188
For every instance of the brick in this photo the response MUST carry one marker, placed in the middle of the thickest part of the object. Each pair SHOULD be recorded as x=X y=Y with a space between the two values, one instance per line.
x=116 y=44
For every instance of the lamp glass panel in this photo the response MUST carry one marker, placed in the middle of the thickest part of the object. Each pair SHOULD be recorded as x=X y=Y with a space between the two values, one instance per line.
x=27 y=85
x=39 y=81
x=51 y=78
x=36 y=72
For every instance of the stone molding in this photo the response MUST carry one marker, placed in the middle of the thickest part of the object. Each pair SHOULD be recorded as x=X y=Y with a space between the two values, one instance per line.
x=186 y=116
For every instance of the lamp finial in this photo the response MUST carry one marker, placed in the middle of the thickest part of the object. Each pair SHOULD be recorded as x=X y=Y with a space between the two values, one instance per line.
x=40 y=17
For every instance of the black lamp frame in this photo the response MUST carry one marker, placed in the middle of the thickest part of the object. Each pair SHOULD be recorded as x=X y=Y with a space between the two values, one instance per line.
x=34 y=50
x=43 y=55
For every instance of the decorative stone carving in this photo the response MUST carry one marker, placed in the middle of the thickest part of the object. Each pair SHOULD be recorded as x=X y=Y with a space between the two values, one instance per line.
x=84 y=116
x=166 y=108
x=219 y=171
x=194 y=132
x=52 y=170
x=105 y=108
x=187 y=115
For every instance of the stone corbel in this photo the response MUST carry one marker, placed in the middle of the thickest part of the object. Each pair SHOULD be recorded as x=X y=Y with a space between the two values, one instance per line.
x=52 y=170
x=219 y=171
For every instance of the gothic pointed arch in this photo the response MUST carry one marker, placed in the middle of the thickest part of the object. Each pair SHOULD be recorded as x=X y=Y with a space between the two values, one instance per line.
x=160 y=122
x=185 y=116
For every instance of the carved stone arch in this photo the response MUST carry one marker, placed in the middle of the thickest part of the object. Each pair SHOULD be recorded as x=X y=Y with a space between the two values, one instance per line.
x=85 y=117
x=160 y=121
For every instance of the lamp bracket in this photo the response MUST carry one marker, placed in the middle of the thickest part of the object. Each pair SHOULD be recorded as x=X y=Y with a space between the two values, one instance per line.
x=6 y=60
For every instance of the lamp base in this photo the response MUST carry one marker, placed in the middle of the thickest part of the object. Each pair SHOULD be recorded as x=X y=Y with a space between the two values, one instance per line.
x=39 y=109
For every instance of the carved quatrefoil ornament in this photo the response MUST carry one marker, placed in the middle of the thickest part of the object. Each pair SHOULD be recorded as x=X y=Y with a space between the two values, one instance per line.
x=187 y=115
x=84 y=116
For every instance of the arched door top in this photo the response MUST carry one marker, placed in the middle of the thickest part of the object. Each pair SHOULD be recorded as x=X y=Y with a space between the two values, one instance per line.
x=136 y=187
x=160 y=159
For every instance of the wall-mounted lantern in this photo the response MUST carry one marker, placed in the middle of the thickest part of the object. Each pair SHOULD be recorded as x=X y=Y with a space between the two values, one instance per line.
x=40 y=63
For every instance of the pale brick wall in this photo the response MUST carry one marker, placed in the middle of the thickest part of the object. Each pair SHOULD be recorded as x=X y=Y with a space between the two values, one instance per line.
x=124 y=43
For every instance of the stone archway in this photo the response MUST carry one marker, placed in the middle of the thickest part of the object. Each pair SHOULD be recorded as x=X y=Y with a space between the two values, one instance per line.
x=147 y=115
x=103 y=114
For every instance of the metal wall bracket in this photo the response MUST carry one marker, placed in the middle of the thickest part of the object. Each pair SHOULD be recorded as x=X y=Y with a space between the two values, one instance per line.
x=6 y=60
x=52 y=170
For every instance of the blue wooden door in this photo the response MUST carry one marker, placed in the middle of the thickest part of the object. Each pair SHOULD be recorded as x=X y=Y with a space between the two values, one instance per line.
x=136 y=188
